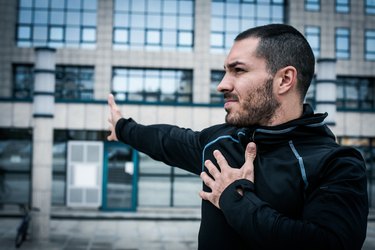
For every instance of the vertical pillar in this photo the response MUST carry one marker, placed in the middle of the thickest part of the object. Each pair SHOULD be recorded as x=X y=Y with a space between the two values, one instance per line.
x=326 y=88
x=43 y=111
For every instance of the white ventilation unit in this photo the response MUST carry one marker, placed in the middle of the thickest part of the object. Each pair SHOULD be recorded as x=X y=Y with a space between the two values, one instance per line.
x=85 y=169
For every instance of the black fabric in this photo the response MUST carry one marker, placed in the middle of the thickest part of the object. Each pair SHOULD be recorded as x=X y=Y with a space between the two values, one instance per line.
x=309 y=193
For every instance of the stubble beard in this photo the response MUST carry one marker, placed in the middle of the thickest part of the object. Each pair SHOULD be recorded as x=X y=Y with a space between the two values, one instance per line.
x=257 y=109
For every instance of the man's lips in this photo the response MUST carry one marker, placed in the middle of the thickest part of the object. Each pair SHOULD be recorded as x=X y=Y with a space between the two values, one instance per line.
x=229 y=99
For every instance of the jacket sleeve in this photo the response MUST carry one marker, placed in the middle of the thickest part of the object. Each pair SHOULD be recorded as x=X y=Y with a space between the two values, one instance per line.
x=172 y=145
x=334 y=214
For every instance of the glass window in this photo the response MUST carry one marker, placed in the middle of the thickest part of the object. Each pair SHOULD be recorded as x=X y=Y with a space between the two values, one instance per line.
x=342 y=43
x=56 y=23
x=71 y=82
x=370 y=7
x=343 y=6
x=162 y=185
x=366 y=146
x=356 y=93
x=312 y=5
x=23 y=81
x=15 y=166
x=313 y=37
x=216 y=77
x=159 y=24
x=152 y=85
x=370 y=45
x=74 y=82
x=229 y=18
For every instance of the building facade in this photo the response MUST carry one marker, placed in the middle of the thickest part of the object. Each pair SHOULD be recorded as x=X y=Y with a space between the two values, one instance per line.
x=162 y=59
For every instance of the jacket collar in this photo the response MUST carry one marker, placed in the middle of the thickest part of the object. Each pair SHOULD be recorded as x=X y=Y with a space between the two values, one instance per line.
x=308 y=124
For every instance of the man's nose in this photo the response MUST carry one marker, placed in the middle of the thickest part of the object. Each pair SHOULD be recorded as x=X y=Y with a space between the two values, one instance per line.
x=225 y=84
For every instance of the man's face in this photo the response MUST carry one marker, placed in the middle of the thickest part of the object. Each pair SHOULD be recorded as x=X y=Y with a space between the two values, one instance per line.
x=247 y=86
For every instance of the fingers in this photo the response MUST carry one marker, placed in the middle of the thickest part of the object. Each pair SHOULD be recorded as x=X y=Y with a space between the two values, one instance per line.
x=251 y=152
x=220 y=159
x=212 y=169
x=248 y=167
x=111 y=101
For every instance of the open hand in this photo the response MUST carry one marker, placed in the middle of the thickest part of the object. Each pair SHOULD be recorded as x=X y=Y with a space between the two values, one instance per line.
x=222 y=179
x=115 y=115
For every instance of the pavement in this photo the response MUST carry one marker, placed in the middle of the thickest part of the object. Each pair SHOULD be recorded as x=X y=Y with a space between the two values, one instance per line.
x=147 y=229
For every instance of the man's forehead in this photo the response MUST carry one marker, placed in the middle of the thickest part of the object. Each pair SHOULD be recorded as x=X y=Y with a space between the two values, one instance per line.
x=242 y=52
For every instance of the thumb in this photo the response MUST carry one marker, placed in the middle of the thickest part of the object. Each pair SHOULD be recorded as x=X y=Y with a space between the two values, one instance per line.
x=251 y=152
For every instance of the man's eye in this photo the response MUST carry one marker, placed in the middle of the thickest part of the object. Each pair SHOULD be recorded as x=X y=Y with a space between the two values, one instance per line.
x=238 y=70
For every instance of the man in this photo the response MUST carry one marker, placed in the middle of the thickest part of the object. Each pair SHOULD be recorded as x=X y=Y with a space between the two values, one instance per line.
x=298 y=189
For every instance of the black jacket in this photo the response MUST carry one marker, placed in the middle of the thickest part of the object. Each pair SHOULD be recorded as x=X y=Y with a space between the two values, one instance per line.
x=309 y=192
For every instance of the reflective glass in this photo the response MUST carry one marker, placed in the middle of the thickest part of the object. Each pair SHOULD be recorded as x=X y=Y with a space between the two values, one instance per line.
x=89 y=18
x=74 y=4
x=57 y=17
x=121 y=36
x=56 y=33
x=25 y=16
x=138 y=5
x=24 y=32
x=58 y=4
x=153 y=21
x=40 y=33
x=73 y=18
x=137 y=21
x=185 y=38
x=72 y=34
x=137 y=36
x=153 y=37
x=90 y=4
x=41 y=17
x=170 y=7
x=154 y=6
x=168 y=16
x=26 y=3
x=186 y=7
x=121 y=20
x=41 y=3
x=88 y=35
x=169 y=22
x=231 y=17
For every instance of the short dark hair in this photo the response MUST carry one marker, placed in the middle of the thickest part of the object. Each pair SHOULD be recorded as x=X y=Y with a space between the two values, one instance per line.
x=282 y=45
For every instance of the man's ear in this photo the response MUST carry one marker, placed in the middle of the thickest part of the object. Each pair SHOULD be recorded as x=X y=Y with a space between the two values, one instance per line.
x=287 y=79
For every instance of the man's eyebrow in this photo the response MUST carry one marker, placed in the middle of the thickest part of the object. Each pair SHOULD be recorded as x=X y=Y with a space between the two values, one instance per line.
x=233 y=64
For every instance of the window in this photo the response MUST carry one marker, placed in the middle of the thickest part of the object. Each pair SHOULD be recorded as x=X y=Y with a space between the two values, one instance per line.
x=15 y=166
x=152 y=85
x=342 y=6
x=370 y=7
x=64 y=23
x=370 y=45
x=23 y=81
x=312 y=5
x=312 y=34
x=216 y=77
x=74 y=83
x=342 y=43
x=164 y=186
x=229 y=18
x=154 y=25
x=356 y=93
x=366 y=146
